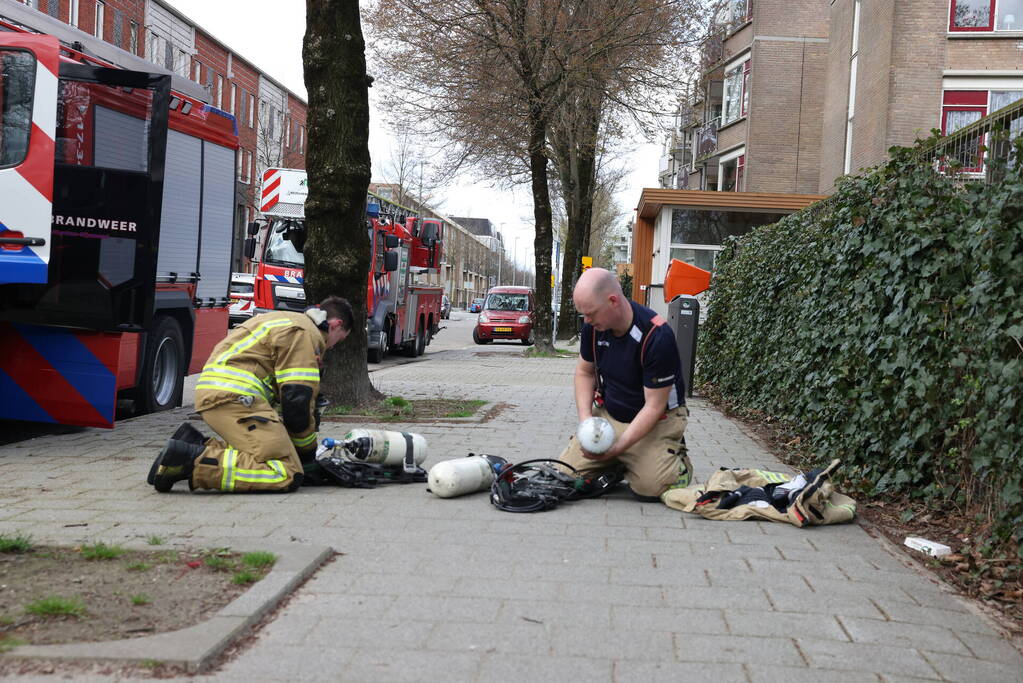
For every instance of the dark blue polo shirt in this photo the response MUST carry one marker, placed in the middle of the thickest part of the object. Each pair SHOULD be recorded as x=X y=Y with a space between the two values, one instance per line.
x=622 y=375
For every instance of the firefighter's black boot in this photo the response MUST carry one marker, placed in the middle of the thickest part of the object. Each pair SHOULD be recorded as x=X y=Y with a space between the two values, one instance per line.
x=189 y=434
x=173 y=464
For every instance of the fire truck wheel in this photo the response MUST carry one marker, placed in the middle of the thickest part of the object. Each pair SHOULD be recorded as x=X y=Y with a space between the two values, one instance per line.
x=163 y=374
x=377 y=355
x=421 y=339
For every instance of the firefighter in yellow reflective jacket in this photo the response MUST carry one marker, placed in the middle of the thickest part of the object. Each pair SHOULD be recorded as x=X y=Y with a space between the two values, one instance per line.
x=270 y=361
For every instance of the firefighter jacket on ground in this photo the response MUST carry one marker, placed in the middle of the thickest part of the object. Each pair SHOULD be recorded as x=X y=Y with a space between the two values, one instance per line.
x=736 y=494
x=266 y=364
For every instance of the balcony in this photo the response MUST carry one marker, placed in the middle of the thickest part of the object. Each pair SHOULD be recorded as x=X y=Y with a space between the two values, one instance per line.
x=707 y=138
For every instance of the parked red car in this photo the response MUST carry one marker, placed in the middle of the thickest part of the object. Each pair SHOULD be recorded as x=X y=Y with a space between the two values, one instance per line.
x=508 y=313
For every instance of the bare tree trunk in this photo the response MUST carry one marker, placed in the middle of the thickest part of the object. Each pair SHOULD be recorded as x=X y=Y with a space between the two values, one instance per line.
x=579 y=157
x=337 y=250
x=544 y=225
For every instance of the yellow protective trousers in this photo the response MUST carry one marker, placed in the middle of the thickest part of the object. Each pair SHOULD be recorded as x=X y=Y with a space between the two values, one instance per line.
x=256 y=453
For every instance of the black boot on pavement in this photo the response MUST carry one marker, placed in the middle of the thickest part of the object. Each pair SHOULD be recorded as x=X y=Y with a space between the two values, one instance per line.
x=173 y=464
x=189 y=434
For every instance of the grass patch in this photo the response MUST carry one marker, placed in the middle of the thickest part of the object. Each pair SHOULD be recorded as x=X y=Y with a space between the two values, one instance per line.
x=8 y=644
x=102 y=551
x=468 y=409
x=259 y=559
x=220 y=564
x=55 y=606
x=397 y=402
x=245 y=576
x=6 y=621
x=15 y=544
x=154 y=540
x=141 y=599
x=138 y=566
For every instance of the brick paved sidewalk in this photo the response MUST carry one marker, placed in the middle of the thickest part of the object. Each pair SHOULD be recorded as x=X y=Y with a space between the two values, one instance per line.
x=453 y=590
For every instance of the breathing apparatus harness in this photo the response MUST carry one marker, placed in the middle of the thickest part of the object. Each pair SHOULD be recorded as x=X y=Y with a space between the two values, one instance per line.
x=350 y=473
x=538 y=485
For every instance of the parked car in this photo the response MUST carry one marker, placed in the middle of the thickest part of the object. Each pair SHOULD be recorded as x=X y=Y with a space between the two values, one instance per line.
x=476 y=305
x=508 y=313
x=445 y=307
x=242 y=306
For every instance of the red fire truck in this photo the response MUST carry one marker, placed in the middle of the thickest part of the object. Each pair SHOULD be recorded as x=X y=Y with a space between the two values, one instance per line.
x=116 y=227
x=400 y=314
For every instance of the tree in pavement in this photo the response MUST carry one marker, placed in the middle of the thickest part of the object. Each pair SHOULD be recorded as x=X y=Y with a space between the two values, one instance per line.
x=337 y=250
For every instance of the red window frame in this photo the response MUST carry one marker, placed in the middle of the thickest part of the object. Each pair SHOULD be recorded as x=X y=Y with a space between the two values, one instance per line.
x=952 y=14
x=965 y=100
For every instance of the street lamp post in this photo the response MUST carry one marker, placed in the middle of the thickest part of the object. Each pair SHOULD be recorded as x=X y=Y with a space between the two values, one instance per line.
x=516 y=258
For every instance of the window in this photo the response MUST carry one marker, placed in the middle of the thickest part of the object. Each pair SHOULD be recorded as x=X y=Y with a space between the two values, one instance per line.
x=243 y=166
x=231 y=100
x=736 y=92
x=17 y=82
x=740 y=11
x=73 y=14
x=133 y=38
x=220 y=92
x=100 y=11
x=960 y=108
x=197 y=71
x=252 y=109
x=731 y=172
x=986 y=15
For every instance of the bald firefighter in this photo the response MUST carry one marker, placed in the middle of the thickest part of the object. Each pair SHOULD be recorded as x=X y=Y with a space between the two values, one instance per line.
x=258 y=392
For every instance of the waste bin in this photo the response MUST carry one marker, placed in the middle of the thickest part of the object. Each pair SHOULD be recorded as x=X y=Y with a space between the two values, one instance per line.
x=684 y=320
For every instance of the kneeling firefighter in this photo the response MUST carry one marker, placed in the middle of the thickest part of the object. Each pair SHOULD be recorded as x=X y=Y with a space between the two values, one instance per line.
x=270 y=360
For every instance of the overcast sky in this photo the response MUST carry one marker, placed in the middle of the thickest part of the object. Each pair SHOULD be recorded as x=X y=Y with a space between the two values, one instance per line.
x=269 y=33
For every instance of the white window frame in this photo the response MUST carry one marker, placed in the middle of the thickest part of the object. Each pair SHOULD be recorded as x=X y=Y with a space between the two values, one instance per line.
x=220 y=91
x=252 y=109
x=197 y=71
x=100 y=17
x=726 y=159
x=73 y=14
x=233 y=98
x=133 y=37
x=735 y=65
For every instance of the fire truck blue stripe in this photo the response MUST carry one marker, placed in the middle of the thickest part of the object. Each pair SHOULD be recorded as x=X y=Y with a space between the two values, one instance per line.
x=22 y=265
x=15 y=404
x=76 y=364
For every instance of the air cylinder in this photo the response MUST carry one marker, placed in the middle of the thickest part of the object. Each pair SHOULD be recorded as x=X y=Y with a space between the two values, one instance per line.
x=384 y=447
x=460 y=476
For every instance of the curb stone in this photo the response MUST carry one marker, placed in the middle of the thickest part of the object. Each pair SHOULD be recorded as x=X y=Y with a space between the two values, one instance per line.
x=195 y=647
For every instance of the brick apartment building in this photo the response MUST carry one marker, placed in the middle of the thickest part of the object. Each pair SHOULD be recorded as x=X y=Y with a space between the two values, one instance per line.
x=794 y=94
x=271 y=119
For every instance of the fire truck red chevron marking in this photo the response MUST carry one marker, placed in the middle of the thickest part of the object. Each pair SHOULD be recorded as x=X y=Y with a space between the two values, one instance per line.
x=38 y=167
x=40 y=380
x=269 y=172
x=105 y=347
x=271 y=187
x=270 y=203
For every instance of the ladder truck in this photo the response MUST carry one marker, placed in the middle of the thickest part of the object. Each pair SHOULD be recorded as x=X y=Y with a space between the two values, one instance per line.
x=400 y=314
x=116 y=227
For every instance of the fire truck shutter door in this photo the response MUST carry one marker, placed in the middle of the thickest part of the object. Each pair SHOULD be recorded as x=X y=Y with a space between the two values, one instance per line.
x=179 y=219
x=28 y=115
x=217 y=221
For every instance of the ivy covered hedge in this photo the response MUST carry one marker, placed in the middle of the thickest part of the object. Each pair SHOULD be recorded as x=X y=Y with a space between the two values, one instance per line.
x=889 y=328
